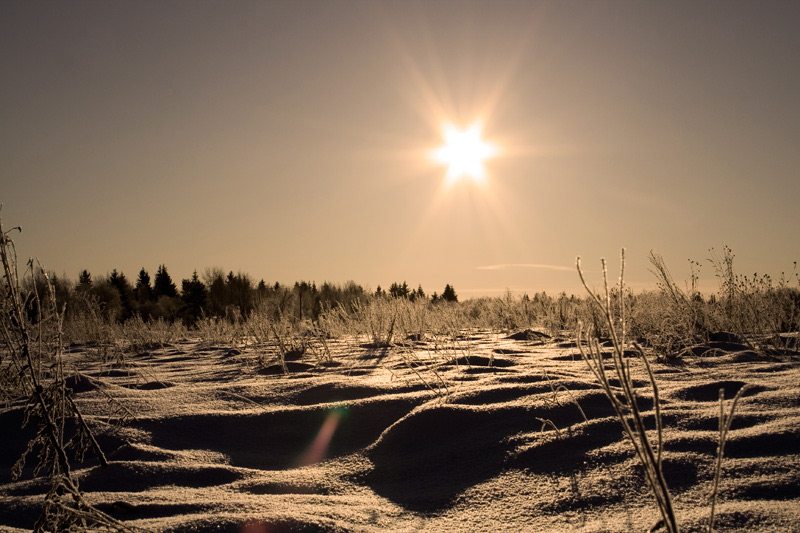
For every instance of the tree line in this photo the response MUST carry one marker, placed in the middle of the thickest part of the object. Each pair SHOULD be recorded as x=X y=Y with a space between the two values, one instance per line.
x=214 y=294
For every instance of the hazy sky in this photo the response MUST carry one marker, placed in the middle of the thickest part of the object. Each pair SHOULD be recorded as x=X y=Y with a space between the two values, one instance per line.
x=291 y=140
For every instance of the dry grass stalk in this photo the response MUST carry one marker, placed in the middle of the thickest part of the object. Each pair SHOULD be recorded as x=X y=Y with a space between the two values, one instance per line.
x=724 y=428
x=626 y=407
x=36 y=349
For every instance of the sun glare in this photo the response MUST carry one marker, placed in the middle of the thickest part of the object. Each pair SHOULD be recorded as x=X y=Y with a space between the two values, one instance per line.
x=464 y=153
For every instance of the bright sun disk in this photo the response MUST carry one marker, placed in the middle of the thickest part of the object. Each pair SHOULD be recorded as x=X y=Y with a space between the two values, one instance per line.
x=464 y=152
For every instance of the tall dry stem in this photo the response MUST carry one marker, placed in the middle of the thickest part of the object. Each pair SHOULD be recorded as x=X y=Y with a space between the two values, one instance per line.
x=724 y=428
x=625 y=405
x=36 y=348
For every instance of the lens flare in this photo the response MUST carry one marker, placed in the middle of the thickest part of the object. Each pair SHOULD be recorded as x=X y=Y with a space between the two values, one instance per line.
x=318 y=450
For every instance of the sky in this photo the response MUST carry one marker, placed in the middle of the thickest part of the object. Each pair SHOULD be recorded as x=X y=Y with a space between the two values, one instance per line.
x=293 y=140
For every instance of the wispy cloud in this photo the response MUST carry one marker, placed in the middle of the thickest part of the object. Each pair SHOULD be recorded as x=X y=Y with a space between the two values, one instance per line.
x=509 y=266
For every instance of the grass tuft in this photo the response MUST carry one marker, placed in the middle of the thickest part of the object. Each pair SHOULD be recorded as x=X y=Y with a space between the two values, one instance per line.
x=35 y=350
x=623 y=397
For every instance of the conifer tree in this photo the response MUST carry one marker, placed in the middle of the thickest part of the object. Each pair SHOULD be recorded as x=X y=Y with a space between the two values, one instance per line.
x=449 y=294
x=84 y=279
x=239 y=289
x=84 y=285
x=125 y=290
x=217 y=292
x=417 y=293
x=399 y=291
x=193 y=295
x=144 y=292
x=163 y=285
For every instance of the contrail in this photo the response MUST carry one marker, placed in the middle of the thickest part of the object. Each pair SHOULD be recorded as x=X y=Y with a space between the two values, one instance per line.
x=504 y=266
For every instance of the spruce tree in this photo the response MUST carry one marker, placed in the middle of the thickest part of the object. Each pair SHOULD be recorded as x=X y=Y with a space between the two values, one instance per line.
x=449 y=294
x=399 y=291
x=84 y=283
x=239 y=289
x=163 y=285
x=144 y=292
x=394 y=290
x=404 y=292
x=194 y=295
x=84 y=279
x=217 y=292
x=125 y=290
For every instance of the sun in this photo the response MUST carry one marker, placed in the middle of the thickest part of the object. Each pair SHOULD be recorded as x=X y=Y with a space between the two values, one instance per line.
x=464 y=152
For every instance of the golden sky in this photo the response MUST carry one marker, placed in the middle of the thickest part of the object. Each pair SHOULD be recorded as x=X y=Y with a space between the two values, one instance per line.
x=293 y=140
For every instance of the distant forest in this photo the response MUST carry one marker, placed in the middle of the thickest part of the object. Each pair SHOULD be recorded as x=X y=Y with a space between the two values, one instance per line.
x=215 y=294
